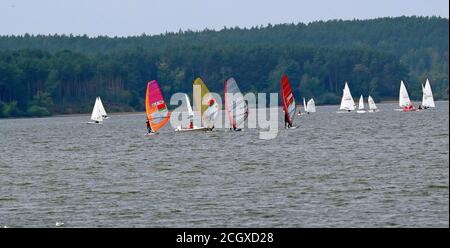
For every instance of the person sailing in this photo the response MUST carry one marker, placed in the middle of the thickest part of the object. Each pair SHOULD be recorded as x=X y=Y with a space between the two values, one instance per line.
x=149 y=128
x=210 y=103
x=286 y=121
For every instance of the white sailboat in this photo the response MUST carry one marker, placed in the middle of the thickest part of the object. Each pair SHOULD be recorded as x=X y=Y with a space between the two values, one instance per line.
x=311 y=107
x=191 y=126
x=347 y=102
x=427 y=96
x=372 y=105
x=404 y=102
x=102 y=109
x=97 y=114
x=304 y=108
x=361 y=105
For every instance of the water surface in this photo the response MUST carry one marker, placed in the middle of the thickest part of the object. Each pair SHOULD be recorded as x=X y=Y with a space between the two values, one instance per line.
x=386 y=169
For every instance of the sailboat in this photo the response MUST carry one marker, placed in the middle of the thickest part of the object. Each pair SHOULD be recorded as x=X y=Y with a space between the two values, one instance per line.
x=155 y=107
x=361 y=105
x=102 y=109
x=427 y=96
x=404 y=102
x=97 y=114
x=304 y=108
x=204 y=104
x=311 y=107
x=191 y=126
x=287 y=98
x=372 y=105
x=347 y=102
x=235 y=105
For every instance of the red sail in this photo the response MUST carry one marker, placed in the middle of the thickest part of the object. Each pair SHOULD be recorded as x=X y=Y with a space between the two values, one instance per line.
x=287 y=98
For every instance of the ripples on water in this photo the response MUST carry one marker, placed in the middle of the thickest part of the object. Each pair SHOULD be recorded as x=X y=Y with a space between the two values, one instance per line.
x=386 y=169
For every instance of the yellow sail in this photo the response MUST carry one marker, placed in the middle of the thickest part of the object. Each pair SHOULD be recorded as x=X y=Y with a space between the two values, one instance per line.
x=204 y=102
x=200 y=90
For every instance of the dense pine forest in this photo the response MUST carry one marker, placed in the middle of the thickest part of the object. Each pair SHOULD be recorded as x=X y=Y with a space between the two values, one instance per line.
x=57 y=74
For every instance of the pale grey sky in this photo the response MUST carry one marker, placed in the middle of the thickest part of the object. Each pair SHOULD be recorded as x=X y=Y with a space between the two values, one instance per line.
x=134 y=17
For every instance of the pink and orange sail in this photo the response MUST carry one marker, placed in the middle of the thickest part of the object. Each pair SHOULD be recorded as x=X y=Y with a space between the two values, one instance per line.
x=157 y=112
x=287 y=98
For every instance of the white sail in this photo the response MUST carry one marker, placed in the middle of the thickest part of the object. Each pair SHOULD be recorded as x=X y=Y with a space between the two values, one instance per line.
x=210 y=114
x=311 y=107
x=427 y=99
x=424 y=96
x=304 y=105
x=403 y=96
x=189 y=108
x=372 y=105
x=102 y=109
x=235 y=104
x=361 y=103
x=96 y=112
x=347 y=102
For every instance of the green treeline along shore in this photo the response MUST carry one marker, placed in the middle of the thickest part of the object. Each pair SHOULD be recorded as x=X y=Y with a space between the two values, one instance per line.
x=42 y=75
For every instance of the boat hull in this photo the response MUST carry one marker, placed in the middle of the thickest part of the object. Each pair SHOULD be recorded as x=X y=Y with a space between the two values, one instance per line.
x=180 y=129
x=94 y=123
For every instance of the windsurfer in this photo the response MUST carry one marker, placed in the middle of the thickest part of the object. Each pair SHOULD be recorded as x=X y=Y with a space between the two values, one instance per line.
x=149 y=128
x=286 y=122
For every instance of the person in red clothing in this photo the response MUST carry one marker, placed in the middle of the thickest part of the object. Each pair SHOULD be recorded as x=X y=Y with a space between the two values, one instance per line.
x=408 y=108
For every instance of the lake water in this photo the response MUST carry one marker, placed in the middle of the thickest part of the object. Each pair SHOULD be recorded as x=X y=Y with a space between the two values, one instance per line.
x=386 y=169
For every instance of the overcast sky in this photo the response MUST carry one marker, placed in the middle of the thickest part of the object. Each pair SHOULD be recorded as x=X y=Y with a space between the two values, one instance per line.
x=134 y=17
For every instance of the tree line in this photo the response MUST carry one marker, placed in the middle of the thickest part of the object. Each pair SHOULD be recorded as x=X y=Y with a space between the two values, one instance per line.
x=48 y=74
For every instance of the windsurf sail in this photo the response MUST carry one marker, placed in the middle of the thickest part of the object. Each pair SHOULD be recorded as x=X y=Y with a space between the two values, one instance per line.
x=403 y=100
x=96 y=111
x=235 y=104
x=347 y=102
x=102 y=109
x=372 y=105
x=156 y=108
x=287 y=98
x=204 y=103
x=361 y=103
x=311 y=107
x=427 y=97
